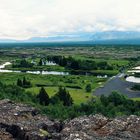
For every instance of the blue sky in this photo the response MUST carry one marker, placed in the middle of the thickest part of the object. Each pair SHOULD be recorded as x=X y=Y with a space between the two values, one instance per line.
x=22 y=19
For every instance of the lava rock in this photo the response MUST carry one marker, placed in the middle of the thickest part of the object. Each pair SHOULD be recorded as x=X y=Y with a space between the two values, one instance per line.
x=23 y=122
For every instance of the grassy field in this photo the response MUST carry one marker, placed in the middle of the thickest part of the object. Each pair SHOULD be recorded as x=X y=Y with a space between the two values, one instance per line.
x=52 y=84
x=79 y=96
x=38 y=68
x=69 y=80
x=116 y=56
x=136 y=99
x=120 y=62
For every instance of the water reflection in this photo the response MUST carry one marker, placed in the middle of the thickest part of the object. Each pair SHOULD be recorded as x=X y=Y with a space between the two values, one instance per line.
x=32 y=72
x=133 y=79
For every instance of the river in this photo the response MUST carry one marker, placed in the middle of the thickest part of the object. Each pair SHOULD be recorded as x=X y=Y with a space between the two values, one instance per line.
x=98 y=75
x=32 y=72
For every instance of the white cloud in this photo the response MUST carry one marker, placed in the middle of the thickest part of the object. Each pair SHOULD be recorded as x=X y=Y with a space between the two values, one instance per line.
x=27 y=18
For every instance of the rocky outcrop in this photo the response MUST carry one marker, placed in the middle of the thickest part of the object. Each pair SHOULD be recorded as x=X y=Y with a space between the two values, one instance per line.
x=97 y=127
x=22 y=122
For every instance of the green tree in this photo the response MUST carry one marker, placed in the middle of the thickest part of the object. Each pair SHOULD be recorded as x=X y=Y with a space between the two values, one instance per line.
x=26 y=83
x=74 y=65
x=19 y=83
x=24 y=63
x=102 y=65
x=64 y=96
x=116 y=99
x=104 y=100
x=43 y=97
x=88 y=88
x=40 y=62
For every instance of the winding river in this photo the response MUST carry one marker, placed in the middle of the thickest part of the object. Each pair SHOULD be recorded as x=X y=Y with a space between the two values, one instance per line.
x=32 y=72
x=3 y=70
x=99 y=75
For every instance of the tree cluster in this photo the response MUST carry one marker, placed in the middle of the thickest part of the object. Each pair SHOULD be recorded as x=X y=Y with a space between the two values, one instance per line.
x=61 y=106
x=22 y=64
x=111 y=106
x=61 y=96
x=42 y=61
x=24 y=83
x=75 y=64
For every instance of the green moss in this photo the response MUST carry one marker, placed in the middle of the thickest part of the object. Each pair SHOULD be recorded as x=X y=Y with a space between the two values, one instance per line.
x=44 y=133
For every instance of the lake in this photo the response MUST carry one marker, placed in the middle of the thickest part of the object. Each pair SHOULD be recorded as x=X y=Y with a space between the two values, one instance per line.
x=132 y=78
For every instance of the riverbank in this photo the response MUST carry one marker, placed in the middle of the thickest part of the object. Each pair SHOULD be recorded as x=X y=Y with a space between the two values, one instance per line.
x=3 y=70
x=47 y=71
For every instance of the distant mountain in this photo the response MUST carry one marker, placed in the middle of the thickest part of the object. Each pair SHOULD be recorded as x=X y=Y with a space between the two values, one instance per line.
x=108 y=37
x=118 y=41
x=116 y=35
x=8 y=41
x=62 y=38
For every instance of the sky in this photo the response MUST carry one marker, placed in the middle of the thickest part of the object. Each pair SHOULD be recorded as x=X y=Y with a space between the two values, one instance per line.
x=22 y=19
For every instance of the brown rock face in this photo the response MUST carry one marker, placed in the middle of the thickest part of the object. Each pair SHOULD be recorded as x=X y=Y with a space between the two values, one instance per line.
x=98 y=127
x=22 y=122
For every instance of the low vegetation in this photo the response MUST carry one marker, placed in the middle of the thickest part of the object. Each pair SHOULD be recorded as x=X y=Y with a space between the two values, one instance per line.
x=69 y=96
x=61 y=104
x=24 y=83
x=136 y=87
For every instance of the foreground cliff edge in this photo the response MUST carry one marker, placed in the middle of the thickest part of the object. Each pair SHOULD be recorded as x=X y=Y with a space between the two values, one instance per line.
x=22 y=122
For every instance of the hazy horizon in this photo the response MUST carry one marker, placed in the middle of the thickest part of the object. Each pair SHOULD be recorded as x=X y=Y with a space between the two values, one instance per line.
x=24 y=19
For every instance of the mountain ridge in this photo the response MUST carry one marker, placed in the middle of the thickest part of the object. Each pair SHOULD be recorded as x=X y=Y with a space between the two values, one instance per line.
x=106 y=37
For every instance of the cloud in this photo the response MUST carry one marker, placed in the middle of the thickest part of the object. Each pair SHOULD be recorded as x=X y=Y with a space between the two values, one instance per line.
x=22 y=19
